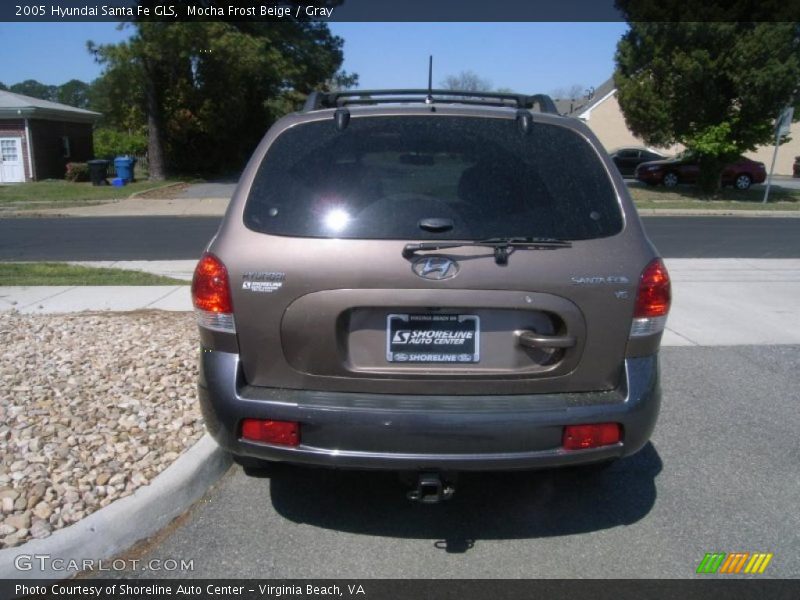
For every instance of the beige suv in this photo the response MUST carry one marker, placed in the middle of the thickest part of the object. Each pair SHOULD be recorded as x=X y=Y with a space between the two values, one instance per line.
x=430 y=282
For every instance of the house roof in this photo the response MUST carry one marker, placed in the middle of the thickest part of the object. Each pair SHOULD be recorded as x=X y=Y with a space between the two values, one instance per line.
x=603 y=91
x=566 y=107
x=579 y=106
x=16 y=106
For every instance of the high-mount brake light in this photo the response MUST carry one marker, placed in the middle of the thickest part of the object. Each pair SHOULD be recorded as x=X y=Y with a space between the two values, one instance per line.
x=653 y=300
x=211 y=295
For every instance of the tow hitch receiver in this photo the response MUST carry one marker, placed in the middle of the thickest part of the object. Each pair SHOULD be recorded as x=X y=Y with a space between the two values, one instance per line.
x=431 y=489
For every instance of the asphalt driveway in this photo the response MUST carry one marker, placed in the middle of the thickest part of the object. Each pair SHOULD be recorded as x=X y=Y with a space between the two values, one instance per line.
x=719 y=475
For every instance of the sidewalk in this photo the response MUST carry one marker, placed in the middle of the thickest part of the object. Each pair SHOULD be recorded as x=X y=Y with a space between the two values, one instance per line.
x=716 y=302
x=139 y=207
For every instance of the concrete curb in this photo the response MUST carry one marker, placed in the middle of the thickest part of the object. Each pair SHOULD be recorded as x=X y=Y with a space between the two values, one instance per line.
x=155 y=189
x=115 y=528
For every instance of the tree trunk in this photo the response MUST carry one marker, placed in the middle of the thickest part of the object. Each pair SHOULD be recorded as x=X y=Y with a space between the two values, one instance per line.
x=155 y=138
x=710 y=177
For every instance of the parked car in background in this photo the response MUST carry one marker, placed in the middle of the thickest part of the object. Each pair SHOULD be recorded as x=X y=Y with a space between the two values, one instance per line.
x=627 y=159
x=684 y=169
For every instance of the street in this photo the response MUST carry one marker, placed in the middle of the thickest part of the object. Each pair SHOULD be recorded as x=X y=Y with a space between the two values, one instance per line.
x=174 y=238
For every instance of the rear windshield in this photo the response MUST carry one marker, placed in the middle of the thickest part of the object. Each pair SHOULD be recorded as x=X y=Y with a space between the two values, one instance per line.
x=477 y=177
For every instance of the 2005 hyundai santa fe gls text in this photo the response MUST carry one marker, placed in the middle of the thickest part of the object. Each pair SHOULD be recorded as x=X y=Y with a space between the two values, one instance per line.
x=430 y=282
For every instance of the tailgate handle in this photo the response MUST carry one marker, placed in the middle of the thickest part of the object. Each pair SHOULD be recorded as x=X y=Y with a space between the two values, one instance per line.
x=531 y=339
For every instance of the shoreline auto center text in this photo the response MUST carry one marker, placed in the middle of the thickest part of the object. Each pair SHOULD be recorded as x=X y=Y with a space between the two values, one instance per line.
x=108 y=590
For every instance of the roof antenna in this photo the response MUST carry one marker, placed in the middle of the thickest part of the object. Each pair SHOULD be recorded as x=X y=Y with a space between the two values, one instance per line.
x=429 y=98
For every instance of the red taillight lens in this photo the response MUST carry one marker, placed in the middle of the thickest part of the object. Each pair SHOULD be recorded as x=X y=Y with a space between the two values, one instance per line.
x=211 y=291
x=654 y=295
x=267 y=431
x=581 y=437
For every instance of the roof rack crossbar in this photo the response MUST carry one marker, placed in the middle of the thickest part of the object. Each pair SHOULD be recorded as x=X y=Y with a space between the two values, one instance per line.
x=321 y=100
x=399 y=99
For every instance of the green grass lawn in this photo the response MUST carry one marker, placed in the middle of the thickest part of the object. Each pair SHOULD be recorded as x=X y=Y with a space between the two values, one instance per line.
x=60 y=193
x=66 y=274
x=689 y=197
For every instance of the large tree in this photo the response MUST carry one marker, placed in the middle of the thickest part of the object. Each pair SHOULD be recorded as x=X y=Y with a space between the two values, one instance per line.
x=715 y=87
x=74 y=93
x=209 y=90
x=35 y=89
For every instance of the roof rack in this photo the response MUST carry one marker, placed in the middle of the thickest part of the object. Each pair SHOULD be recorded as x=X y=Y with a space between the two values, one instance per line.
x=321 y=100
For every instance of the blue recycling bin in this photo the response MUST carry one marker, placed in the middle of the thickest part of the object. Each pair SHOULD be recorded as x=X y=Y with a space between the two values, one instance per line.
x=124 y=167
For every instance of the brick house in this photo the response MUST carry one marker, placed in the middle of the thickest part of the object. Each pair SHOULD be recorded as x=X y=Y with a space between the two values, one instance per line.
x=604 y=117
x=38 y=138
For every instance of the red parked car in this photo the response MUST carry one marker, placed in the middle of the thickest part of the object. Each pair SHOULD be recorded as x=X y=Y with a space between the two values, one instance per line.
x=684 y=169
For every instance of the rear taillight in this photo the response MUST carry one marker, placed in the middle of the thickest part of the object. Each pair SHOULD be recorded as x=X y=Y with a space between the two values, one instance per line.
x=211 y=295
x=583 y=437
x=652 y=300
x=267 y=431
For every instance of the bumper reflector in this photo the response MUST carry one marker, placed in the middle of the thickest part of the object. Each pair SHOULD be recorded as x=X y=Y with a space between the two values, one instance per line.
x=581 y=437
x=267 y=431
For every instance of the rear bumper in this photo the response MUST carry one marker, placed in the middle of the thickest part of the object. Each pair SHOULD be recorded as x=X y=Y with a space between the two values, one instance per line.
x=400 y=432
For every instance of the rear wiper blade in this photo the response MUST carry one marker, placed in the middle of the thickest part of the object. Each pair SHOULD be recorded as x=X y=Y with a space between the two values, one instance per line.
x=524 y=241
x=502 y=245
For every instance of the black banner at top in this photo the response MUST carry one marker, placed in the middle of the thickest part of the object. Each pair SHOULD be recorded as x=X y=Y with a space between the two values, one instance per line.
x=398 y=10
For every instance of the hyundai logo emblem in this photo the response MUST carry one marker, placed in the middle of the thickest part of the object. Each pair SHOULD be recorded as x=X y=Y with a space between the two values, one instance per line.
x=435 y=267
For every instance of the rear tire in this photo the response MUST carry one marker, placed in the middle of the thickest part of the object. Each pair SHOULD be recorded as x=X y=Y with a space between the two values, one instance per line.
x=742 y=182
x=670 y=180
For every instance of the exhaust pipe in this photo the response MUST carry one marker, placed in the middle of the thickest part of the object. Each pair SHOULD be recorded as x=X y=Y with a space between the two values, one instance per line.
x=431 y=489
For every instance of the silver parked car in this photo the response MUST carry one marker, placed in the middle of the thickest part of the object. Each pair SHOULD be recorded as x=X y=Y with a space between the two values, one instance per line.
x=430 y=282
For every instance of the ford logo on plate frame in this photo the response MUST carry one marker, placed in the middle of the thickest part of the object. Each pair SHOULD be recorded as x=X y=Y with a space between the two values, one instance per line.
x=435 y=267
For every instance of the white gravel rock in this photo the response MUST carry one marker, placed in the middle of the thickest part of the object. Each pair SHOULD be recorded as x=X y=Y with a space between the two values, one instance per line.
x=104 y=403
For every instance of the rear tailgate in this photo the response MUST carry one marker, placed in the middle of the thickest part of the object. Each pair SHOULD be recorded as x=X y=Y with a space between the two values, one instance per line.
x=334 y=324
x=325 y=300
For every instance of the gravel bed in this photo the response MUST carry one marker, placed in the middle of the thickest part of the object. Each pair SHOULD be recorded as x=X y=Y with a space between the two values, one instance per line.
x=92 y=406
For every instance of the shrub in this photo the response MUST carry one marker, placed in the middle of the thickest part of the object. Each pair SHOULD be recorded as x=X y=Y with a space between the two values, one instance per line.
x=77 y=172
x=109 y=143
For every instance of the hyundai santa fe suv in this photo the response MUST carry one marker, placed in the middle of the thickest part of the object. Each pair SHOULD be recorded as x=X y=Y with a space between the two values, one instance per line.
x=424 y=281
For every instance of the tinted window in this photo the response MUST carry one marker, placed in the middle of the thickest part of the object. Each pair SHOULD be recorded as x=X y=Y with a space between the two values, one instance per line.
x=381 y=175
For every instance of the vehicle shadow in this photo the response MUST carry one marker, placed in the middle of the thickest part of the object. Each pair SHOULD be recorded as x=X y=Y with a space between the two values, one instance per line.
x=509 y=505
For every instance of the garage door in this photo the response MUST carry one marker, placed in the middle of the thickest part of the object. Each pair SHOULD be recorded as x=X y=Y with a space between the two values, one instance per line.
x=11 y=167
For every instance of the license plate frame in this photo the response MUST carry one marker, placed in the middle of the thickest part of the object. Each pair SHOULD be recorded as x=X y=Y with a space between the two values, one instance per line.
x=415 y=345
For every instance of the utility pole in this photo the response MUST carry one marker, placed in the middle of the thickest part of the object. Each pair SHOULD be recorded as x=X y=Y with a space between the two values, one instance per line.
x=782 y=125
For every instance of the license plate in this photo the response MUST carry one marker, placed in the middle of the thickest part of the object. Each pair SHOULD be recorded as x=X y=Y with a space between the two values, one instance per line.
x=432 y=338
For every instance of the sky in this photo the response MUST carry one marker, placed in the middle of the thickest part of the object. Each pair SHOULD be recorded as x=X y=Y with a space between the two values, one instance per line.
x=525 y=57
